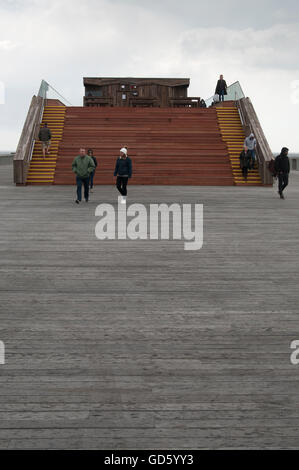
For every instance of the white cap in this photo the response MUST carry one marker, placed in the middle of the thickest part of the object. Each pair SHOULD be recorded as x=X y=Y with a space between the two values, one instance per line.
x=124 y=150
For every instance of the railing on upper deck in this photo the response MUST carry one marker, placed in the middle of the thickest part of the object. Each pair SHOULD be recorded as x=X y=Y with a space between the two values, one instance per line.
x=234 y=93
x=188 y=102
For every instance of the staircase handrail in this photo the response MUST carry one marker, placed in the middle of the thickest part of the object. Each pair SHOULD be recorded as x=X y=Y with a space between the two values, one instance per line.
x=25 y=146
x=24 y=152
x=251 y=124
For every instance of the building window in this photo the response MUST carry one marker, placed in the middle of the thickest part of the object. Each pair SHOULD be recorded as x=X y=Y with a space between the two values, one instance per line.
x=93 y=91
x=124 y=96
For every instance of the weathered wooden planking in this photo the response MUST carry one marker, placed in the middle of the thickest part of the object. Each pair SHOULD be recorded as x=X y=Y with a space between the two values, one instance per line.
x=142 y=345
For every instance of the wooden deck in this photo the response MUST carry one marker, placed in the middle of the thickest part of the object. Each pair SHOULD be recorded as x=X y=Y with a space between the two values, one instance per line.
x=125 y=345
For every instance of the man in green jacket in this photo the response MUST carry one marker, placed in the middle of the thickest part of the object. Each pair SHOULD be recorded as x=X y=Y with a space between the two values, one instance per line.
x=82 y=166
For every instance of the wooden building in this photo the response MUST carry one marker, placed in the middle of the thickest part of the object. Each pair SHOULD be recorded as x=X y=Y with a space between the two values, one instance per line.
x=138 y=92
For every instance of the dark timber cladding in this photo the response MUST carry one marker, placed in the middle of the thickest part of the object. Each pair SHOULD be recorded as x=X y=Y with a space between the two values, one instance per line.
x=141 y=92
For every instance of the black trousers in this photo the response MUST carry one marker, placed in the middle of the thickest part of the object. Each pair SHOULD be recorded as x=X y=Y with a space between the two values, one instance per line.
x=245 y=171
x=283 y=181
x=121 y=184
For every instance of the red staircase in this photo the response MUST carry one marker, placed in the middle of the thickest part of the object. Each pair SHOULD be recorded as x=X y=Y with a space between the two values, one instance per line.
x=168 y=146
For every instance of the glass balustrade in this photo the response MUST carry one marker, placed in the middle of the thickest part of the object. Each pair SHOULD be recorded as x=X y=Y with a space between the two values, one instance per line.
x=234 y=93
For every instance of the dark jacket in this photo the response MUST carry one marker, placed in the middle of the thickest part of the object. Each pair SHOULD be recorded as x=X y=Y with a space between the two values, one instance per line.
x=221 y=86
x=282 y=164
x=123 y=167
x=44 y=134
x=95 y=161
x=245 y=159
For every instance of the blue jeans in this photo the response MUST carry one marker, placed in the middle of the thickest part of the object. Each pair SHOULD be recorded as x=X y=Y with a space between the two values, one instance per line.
x=85 y=182
x=91 y=179
x=252 y=157
x=221 y=95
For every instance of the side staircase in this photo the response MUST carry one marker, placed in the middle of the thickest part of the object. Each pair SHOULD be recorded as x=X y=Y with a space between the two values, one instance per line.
x=232 y=133
x=42 y=170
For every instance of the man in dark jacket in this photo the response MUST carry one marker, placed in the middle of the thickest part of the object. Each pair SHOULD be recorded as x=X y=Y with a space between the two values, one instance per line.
x=282 y=168
x=123 y=171
x=245 y=159
x=221 y=88
x=45 y=137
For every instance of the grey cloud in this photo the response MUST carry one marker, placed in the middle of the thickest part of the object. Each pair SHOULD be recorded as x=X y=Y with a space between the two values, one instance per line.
x=130 y=38
x=233 y=14
x=275 y=47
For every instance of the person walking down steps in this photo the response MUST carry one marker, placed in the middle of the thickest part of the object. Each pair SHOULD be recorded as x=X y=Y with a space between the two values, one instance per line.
x=245 y=158
x=45 y=137
x=123 y=171
x=83 y=166
x=250 y=144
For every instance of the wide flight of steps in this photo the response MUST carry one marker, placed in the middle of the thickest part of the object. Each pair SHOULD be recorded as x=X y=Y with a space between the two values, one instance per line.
x=42 y=170
x=232 y=133
x=168 y=146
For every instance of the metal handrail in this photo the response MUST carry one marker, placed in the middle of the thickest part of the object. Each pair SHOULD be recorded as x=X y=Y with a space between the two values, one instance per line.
x=35 y=130
x=45 y=86
x=43 y=89
x=246 y=123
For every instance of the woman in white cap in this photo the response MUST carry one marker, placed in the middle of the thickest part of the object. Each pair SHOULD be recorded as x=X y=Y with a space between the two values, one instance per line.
x=123 y=171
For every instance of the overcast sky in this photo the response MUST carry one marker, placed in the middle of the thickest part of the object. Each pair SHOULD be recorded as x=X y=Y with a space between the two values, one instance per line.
x=62 y=41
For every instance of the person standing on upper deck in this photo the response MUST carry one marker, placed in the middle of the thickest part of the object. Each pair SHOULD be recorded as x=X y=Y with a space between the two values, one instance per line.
x=221 y=88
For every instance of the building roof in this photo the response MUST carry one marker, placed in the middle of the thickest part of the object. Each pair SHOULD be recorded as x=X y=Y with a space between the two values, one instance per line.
x=171 y=82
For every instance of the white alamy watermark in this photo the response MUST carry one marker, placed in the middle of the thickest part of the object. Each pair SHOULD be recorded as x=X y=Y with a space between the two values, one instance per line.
x=2 y=93
x=295 y=92
x=295 y=353
x=159 y=222
x=2 y=353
